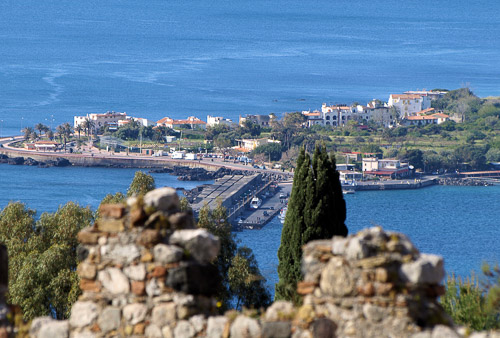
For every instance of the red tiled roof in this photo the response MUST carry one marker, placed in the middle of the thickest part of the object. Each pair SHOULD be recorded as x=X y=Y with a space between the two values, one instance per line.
x=406 y=96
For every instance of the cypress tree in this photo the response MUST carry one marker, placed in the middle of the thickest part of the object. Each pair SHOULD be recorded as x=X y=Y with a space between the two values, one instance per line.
x=316 y=210
x=289 y=254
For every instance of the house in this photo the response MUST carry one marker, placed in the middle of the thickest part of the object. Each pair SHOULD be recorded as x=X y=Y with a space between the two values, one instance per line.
x=390 y=168
x=421 y=119
x=42 y=146
x=348 y=176
x=219 y=120
x=141 y=121
x=313 y=118
x=100 y=120
x=409 y=104
x=192 y=122
x=376 y=111
x=261 y=120
x=337 y=115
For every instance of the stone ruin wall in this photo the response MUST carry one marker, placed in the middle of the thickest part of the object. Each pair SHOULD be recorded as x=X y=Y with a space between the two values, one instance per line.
x=145 y=272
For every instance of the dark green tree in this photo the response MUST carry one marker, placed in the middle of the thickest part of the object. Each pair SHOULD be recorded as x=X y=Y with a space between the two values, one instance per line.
x=289 y=254
x=316 y=210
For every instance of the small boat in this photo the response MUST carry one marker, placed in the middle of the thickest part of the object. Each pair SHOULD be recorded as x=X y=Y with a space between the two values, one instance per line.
x=348 y=191
x=282 y=215
x=255 y=203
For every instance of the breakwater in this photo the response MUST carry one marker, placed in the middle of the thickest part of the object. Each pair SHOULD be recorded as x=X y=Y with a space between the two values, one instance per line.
x=391 y=185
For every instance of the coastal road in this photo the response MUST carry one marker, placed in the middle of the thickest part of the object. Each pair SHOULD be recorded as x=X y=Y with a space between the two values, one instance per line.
x=93 y=152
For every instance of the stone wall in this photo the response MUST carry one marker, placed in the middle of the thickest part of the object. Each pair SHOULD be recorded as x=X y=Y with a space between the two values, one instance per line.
x=145 y=272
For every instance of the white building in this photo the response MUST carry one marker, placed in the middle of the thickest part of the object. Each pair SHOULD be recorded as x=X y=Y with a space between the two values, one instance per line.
x=409 y=104
x=385 y=167
x=336 y=115
x=219 y=120
x=433 y=95
x=378 y=112
x=251 y=144
x=100 y=120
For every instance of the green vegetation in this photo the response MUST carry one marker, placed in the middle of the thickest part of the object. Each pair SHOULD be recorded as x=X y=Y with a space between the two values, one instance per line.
x=472 y=303
x=242 y=281
x=141 y=184
x=316 y=210
x=43 y=258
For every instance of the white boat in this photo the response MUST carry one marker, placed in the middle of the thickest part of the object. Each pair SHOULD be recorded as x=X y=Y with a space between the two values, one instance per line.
x=255 y=203
x=282 y=215
x=348 y=191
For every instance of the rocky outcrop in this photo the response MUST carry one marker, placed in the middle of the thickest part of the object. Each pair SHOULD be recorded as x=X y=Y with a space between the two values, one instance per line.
x=462 y=182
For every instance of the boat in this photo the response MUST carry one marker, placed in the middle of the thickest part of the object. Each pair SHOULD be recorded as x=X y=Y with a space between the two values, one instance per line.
x=348 y=191
x=255 y=203
x=282 y=215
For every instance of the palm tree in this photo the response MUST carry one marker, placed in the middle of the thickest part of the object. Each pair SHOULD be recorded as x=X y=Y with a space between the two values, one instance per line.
x=89 y=125
x=78 y=129
x=40 y=127
x=28 y=133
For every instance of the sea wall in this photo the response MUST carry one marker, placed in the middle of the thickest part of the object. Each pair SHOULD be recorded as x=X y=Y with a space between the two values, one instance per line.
x=145 y=272
x=101 y=160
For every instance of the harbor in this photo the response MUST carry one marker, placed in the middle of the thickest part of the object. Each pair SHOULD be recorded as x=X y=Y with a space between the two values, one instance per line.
x=251 y=201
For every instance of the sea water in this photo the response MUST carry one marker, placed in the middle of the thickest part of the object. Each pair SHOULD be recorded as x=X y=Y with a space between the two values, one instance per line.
x=198 y=57
x=459 y=223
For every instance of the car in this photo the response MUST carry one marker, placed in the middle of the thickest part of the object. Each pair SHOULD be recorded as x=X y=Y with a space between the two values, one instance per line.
x=282 y=195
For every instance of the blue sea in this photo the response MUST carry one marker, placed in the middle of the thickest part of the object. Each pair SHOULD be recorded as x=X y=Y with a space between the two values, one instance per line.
x=198 y=57
x=229 y=58
x=460 y=223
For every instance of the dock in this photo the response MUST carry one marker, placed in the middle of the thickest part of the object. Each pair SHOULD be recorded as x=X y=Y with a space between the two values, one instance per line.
x=235 y=193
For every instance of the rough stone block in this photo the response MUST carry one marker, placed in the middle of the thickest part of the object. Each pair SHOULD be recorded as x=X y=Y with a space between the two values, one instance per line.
x=114 y=281
x=163 y=314
x=324 y=328
x=87 y=271
x=87 y=237
x=276 y=329
x=149 y=237
x=245 y=327
x=54 y=329
x=181 y=220
x=216 y=326
x=184 y=329
x=165 y=254
x=138 y=288
x=135 y=272
x=120 y=253
x=90 y=285
x=356 y=249
x=110 y=225
x=109 y=319
x=336 y=279
x=427 y=269
x=279 y=310
x=194 y=279
x=83 y=314
x=164 y=199
x=201 y=244
x=135 y=313
x=111 y=210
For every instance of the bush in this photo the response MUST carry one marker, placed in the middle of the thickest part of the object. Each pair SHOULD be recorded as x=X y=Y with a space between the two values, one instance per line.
x=474 y=304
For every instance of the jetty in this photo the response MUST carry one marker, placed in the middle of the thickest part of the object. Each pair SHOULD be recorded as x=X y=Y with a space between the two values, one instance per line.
x=235 y=193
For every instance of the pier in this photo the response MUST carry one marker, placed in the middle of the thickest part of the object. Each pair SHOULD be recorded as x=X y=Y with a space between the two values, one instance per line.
x=235 y=193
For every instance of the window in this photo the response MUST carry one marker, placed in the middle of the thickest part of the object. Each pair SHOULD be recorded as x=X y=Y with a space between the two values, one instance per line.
x=327 y=118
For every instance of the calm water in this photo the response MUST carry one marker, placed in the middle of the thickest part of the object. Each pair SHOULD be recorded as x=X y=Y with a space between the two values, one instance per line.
x=459 y=223
x=173 y=58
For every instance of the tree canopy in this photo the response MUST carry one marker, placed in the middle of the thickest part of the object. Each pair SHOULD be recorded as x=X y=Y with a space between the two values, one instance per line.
x=43 y=260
